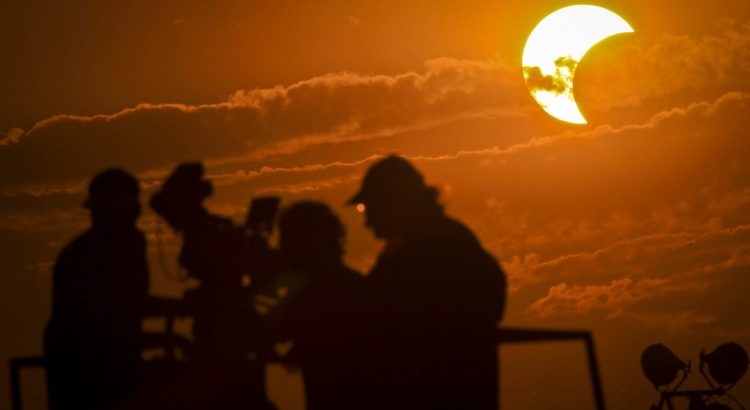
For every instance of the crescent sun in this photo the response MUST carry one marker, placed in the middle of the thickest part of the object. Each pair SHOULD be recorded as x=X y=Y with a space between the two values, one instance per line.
x=554 y=50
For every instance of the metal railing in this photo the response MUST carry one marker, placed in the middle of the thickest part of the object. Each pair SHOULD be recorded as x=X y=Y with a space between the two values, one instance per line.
x=504 y=336
x=16 y=364
x=511 y=335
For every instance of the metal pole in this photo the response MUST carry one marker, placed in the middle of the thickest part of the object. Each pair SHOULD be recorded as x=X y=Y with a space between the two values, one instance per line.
x=16 y=364
x=15 y=384
x=594 y=370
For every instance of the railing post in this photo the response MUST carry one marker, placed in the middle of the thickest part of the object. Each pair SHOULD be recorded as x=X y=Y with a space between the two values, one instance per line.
x=15 y=384
x=594 y=370
x=16 y=364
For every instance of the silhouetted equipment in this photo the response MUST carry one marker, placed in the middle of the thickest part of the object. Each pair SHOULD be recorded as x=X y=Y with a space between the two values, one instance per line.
x=231 y=262
x=661 y=365
x=261 y=215
x=182 y=192
x=726 y=366
x=262 y=263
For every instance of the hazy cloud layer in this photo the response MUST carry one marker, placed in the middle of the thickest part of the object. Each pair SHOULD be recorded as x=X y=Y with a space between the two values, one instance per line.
x=346 y=106
x=667 y=65
x=612 y=298
x=324 y=109
x=660 y=128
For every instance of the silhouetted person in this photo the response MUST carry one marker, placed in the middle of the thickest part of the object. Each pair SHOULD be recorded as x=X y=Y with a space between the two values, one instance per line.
x=319 y=318
x=226 y=336
x=100 y=289
x=436 y=298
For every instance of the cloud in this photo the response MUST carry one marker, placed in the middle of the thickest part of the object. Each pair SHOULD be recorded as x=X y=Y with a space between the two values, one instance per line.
x=666 y=65
x=326 y=109
x=612 y=298
x=27 y=222
x=11 y=137
x=695 y=110
x=305 y=171
x=558 y=83
x=536 y=80
x=731 y=203
x=678 y=322
x=627 y=252
x=346 y=106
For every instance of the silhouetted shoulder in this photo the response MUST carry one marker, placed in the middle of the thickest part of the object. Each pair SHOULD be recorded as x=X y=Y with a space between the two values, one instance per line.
x=456 y=261
x=73 y=247
x=453 y=237
x=453 y=230
x=84 y=248
x=71 y=250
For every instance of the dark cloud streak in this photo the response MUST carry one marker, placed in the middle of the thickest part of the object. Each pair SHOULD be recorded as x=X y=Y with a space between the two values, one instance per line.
x=324 y=109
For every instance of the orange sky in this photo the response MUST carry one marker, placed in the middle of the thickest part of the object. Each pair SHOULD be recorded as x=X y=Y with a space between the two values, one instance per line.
x=636 y=226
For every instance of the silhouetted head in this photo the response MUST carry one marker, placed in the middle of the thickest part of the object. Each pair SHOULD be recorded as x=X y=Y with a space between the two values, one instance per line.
x=113 y=199
x=181 y=196
x=311 y=235
x=396 y=198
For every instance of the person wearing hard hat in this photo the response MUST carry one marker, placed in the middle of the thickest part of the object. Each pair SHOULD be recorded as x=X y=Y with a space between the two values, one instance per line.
x=435 y=299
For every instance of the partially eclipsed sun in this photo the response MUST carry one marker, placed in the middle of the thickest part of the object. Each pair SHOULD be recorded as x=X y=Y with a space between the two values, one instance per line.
x=554 y=49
